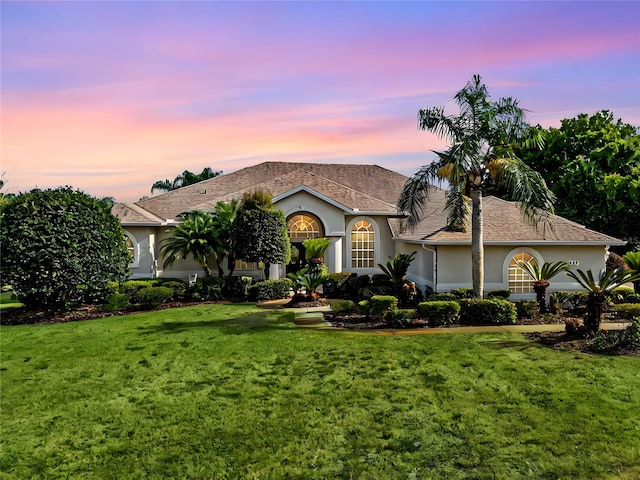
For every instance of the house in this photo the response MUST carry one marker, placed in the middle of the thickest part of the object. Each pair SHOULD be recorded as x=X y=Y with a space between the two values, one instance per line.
x=355 y=207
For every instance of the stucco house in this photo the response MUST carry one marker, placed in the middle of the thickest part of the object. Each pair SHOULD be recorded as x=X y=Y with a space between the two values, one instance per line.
x=355 y=207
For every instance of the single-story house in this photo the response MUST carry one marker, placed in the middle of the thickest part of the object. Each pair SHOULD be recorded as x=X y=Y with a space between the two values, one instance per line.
x=355 y=207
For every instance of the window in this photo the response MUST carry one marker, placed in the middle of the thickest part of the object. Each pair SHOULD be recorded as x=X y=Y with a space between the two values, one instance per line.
x=304 y=226
x=519 y=280
x=362 y=245
x=132 y=247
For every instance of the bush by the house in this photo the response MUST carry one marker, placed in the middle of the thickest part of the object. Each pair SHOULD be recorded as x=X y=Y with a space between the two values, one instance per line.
x=61 y=248
x=439 y=313
x=626 y=310
x=614 y=340
x=117 y=302
x=441 y=297
x=178 y=286
x=487 y=312
x=355 y=284
x=463 y=292
x=499 y=294
x=624 y=294
x=526 y=308
x=400 y=317
x=380 y=304
x=131 y=287
x=237 y=288
x=270 y=289
x=343 y=306
x=334 y=285
x=364 y=307
x=207 y=289
x=152 y=297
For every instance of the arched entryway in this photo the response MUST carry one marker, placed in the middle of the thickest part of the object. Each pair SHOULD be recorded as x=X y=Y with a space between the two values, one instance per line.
x=301 y=225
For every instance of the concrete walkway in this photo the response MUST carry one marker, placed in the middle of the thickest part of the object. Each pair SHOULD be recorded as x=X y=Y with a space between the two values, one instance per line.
x=313 y=318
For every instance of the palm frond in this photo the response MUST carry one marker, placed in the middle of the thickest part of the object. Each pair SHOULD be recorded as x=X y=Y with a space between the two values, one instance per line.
x=415 y=194
x=457 y=208
x=434 y=120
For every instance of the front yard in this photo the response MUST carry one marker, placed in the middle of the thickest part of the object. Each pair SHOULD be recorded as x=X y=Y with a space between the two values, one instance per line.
x=230 y=391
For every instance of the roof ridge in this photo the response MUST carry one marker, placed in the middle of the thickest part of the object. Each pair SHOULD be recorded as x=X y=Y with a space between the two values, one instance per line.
x=142 y=211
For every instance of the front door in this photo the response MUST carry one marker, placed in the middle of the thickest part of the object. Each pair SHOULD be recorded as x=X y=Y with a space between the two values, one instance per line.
x=297 y=258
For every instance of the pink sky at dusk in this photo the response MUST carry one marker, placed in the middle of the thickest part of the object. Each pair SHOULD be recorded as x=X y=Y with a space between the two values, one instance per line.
x=109 y=97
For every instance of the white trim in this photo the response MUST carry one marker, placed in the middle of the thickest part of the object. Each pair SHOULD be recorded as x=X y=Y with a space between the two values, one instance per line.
x=507 y=261
x=136 y=249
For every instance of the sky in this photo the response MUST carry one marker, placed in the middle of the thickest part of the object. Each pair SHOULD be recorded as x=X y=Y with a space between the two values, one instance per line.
x=108 y=97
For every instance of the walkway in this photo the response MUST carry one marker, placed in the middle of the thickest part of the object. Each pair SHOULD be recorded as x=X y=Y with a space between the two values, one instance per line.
x=313 y=318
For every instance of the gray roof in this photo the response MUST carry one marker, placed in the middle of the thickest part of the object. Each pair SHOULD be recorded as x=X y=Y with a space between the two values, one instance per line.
x=503 y=223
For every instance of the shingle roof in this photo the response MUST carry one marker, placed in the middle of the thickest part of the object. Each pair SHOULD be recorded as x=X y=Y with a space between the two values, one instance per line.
x=131 y=214
x=503 y=223
x=364 y=187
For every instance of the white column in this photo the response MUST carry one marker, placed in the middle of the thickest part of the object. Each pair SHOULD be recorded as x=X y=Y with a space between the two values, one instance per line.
x=274 y=271
x=337 y=256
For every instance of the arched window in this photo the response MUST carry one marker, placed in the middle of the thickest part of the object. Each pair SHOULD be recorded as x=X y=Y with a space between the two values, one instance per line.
x=362 y=245
x=519 y=280
x=304 y=225
x=132 y=246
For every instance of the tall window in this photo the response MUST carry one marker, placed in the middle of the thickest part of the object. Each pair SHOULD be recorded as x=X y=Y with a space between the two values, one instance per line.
x=132 y=247
x=362 y=245
x=304 y=226
x=519 y=280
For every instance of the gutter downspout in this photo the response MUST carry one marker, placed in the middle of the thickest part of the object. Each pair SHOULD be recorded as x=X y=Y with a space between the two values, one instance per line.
x=434 y=253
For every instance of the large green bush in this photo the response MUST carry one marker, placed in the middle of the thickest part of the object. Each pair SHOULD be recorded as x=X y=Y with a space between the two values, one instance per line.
x=487 y=312
x=270 y=289
x=380 y=304
x=626 y=310
x=152 y=297
x=439 y=312
x=61 y=248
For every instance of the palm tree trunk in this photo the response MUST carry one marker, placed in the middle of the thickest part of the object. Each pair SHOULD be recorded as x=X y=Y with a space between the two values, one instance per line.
x=477 y=246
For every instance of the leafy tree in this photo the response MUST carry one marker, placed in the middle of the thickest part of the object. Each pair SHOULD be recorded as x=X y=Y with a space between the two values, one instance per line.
x=184 y=179
x=261 y=232
x=483 y=137
x=592 y=164
x=599 y=289
x=195 y=236
x=60 y=248
x=541 y=277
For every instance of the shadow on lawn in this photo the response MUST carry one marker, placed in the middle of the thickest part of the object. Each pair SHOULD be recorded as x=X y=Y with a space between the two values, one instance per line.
x=521 y=345
x=252 y=323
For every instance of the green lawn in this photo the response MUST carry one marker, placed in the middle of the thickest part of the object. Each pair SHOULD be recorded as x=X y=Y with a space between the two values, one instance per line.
x=228 y=391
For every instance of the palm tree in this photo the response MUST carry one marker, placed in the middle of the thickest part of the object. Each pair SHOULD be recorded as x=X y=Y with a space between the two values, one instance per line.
x=184 y=179
x=484 y=137
x=541 y=277
x=195 y=236
x=598 y=290
x=632 y=259
x=224 y=216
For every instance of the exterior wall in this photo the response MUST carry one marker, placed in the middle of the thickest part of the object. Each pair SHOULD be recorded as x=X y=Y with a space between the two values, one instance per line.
x=421 y=269
x=144 y=240
x=384 y=244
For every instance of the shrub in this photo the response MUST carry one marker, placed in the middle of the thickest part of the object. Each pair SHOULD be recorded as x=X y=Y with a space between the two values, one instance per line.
x=578 y=301
x=574 y=325
x=364 y=307
x=441 y=297
x=179 y=287
x=206 y=289
x=499 y=294
x=131 y=287
x=487 y=312
x=627 y=310
x=355 y=284
x=615 y=340
x=380 y=279
x=400 y=317
x=380 y=304
x=622 y=294
x=270 y=289
x=526 y=308
x=61 y=248
x=237 y=288
x=334 y=285
x=152 y=297
x=464 y=292
x=343 y=306
x=117 y=302
x=439 y=312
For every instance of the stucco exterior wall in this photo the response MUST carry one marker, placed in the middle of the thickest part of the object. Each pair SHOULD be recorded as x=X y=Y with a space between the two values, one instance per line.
x=144 y=240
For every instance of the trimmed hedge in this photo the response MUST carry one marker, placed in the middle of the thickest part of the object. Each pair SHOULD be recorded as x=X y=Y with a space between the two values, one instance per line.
x=626 y=310
x=400 y=317
x=441 y=297
x=117 y=302
x=270 y=290
x=487 y=312
x=499 y=294
x=463 y=292
x=152 y=297
x=334 y=285
x=526 y=308
x=343 y=306
x=439 y=312
x=380 y=304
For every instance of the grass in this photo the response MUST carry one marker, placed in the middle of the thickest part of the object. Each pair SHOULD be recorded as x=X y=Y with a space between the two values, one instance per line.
x=228 y=391
x=7 y=300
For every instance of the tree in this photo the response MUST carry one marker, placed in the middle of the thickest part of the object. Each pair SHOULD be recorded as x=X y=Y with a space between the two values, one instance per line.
x=541 y=277
x=184 y=179
x=60 y=248
x=592 y=163
x=224 y=217
x=599 y=289
x=195 y=236
x=484 y=137
x=261 y=232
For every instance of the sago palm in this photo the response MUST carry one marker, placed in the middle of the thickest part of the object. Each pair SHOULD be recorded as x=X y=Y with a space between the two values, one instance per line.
x=195 y=236
x=483 y=138
x=632 y=259
x=598 y=289
x=541 y=277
